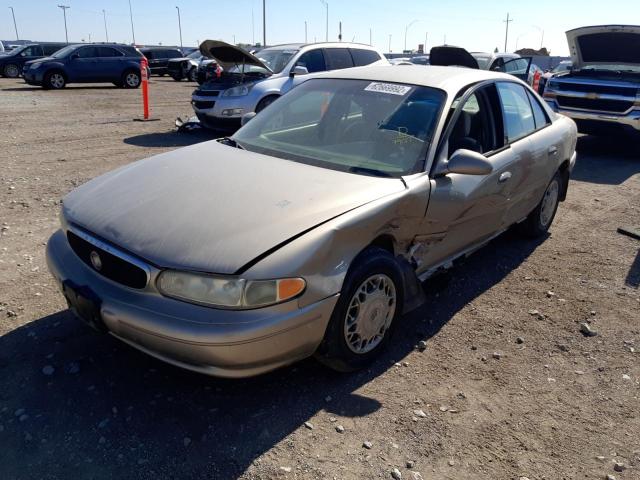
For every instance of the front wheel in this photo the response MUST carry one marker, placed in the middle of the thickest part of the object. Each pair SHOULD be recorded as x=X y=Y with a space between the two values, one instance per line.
x=11 y=70
x=265 y=102
x=54 y=80
x=540 y=219
x=131 y=79
x=367 y=310
x=193 y=74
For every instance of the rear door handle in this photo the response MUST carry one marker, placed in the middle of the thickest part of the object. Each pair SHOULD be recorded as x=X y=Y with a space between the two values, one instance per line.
x=504 y=176
x=553 y=150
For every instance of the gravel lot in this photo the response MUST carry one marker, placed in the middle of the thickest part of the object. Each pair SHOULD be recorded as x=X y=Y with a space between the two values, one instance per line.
x=507 y=387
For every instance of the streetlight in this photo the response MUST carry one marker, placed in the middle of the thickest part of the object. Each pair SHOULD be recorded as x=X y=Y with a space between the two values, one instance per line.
x=264 y=23
x=179 y=27
x=64 y=13
x=406 y=29
x=104 y=16
x=326 y=4
x=133 y=33
x=14 y=22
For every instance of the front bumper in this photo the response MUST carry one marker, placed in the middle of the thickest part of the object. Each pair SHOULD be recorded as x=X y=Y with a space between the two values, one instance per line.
x=32 y=77
x=216 y=342
x=629 y=120
x=219 y=112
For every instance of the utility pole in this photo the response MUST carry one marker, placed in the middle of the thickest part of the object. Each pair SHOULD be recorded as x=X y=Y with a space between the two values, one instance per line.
x=542 y=40
x=106 y=32
x=13 y=14
x=406 y=29
x=264 y=23
x=426 y=38
x=64 y=13
x=133 y=33
x=370 y=38
x=253 y=29
x=506 y=33
x=179 y=27
x=339 y=31
x=305 y=31
x=389 y=43
x=326 y=4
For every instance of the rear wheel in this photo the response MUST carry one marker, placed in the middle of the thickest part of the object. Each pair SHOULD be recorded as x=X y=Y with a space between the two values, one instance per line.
x=11 y=70
x=367 y=310
x=131 y=79
x=54 y=80
x=540 y=219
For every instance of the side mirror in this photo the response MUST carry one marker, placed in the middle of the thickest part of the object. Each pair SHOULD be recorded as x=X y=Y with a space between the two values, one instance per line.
x=468 y=162
x=298 y=70
x=246 y=117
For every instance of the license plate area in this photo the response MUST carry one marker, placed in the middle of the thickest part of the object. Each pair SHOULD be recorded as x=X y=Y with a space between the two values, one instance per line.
x=84 y=303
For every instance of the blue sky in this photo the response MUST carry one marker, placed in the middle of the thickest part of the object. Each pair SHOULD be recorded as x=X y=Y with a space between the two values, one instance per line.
x=474 y=25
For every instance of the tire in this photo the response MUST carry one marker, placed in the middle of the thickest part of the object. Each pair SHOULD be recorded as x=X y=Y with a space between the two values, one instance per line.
x=176 y=78
x=265 y=102
x=541 y=218
x=131 y=79
x=11 y=70
x=161 y=74
x=193 y=74
x=54 y=80
x=372 y=293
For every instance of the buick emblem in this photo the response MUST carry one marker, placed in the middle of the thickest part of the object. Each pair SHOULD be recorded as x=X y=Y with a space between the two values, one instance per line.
x=96 y=261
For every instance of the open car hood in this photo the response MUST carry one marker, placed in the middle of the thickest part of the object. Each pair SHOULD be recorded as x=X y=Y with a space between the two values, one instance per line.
x=228 y=55
x=604 y=45
x=449 y=56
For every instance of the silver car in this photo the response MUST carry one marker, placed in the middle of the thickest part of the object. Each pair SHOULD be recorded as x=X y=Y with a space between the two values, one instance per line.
x=308 y=231
x=248 y=83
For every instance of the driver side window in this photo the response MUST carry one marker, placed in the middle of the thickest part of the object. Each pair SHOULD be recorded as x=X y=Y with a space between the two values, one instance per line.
x=313 y=61
x=478 y=126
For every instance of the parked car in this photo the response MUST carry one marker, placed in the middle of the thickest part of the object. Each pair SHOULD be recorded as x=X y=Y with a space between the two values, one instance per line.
x=158 y=58
x=12 y=63
x=87 y=63
x=563 y=67
x=1 y=47
x=601 y=91
x=309 y=230
x=185 y=67
x=249 y=83
x=420 y=60
x=493 y=61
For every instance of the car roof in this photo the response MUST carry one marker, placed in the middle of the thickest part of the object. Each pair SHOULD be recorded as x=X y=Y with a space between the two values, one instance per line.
x=449 y=79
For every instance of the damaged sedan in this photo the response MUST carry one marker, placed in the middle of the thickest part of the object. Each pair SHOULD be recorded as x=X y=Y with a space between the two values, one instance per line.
x=309 y=231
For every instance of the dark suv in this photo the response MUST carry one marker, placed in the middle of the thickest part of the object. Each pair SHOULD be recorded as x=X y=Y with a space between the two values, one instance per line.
x=159 y=57
x=11 y=64
x=87 y=63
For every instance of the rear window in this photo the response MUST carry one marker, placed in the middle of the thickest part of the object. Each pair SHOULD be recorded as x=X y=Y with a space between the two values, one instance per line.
x=364 y=57
x=338 y=58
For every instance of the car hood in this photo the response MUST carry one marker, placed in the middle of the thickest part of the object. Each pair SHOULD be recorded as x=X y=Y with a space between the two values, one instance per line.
x=228 y=55
x=214 y=208
x=604 y=45
x=448 y=56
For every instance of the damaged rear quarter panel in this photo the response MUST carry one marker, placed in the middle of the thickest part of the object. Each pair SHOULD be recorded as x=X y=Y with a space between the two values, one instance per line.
x=323 y=255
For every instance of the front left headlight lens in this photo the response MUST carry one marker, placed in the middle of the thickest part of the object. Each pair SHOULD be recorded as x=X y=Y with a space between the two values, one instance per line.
x=234 y=293
x=239 y=91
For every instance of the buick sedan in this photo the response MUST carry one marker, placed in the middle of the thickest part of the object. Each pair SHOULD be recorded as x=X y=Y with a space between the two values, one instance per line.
x=309 y=231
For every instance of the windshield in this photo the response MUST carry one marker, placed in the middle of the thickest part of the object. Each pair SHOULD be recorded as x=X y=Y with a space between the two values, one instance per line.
x=562 y=67
x=196 y=55
x=64 y=52
x=276 y=60
x=359 y=126
x=483 y=61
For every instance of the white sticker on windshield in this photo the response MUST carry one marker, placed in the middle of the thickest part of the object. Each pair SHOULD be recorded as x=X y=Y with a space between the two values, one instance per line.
x=391 y=88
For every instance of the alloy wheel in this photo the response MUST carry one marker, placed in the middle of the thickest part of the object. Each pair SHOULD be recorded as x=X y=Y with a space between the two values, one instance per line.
x=11 y=71
x=132 y=79
x=549 y=203
x=56 y=80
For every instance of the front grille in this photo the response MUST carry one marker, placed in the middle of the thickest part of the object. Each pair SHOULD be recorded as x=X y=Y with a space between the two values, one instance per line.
x=598 y=104
x=202 y=104
x=113 y=267
x=588 y=88
x=206 y=93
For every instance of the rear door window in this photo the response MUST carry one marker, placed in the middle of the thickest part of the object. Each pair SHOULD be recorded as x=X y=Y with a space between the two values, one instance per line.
x=108 y=52
x=518 y=116
x=313 y=61
x=338 y=58
x=88 y=52
x=363 y=57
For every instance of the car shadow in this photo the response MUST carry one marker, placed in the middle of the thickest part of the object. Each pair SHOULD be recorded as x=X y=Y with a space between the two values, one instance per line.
x=109 y=411
x=172 y=138
x=607 y=160
x=65 y=89
x=633 y=276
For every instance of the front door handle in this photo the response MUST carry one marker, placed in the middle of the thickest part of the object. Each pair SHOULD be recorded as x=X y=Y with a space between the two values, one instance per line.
x=553 y=150
x=504 y=176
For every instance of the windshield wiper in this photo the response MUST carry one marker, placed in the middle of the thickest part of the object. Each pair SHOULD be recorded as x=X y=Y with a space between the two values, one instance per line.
x=370 y=171
x=230 y=142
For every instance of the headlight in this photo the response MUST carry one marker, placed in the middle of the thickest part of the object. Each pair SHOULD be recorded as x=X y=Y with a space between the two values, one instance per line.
x=239 y=91
x=234 y=293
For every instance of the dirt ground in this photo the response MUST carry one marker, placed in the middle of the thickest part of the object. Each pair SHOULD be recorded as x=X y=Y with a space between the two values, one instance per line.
x=554 y=405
